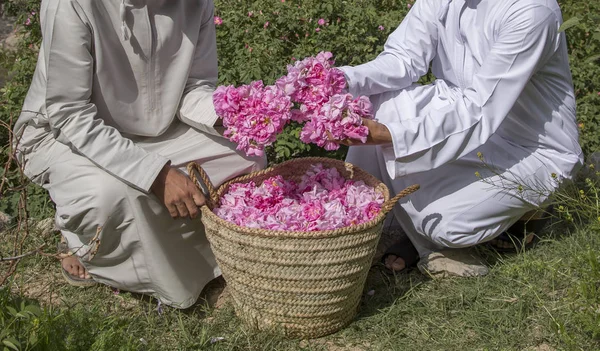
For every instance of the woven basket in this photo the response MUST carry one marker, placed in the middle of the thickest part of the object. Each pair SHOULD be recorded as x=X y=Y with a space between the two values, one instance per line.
x=305 y=284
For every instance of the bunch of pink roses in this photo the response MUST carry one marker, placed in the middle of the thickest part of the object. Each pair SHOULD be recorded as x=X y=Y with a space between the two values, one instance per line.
x=323 y=200
x=338 y=119
x=317 y=90
x=311 y=83
x=311 y=93
x=252 y=114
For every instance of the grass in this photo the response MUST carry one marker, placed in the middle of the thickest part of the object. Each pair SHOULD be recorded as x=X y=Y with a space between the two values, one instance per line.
x=547 y=298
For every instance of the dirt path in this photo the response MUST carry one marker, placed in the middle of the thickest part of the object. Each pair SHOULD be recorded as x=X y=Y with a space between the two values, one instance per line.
x=6 y=27
x=7 y=40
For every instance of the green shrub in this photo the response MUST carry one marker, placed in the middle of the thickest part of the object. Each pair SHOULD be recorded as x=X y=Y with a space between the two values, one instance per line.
x=24 y=325
x=584 y=45
x=257 y=39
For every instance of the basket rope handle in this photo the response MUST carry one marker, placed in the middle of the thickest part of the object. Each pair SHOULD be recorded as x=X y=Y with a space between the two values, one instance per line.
x=389 y=204
x=194 y=170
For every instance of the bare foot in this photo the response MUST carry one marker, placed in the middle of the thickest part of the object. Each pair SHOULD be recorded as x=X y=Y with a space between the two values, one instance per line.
x=400 y=256
x=395 y=263
x=72 y=265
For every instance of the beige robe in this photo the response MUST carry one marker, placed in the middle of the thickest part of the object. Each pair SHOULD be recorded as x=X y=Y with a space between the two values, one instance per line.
x=120 y=89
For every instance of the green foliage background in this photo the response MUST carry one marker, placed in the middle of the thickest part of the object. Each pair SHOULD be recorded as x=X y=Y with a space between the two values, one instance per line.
x=257 y=39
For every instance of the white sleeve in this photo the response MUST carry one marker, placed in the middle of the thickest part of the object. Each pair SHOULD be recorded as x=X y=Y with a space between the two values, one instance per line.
x=67 y=46
x=526 y=40
x=197 y=108
x=407 y=54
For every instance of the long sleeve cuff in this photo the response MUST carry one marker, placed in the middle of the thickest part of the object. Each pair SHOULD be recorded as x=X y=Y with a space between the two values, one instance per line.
x=347 y=70
x=198 y=111
x=154 y=165
x=394 y=151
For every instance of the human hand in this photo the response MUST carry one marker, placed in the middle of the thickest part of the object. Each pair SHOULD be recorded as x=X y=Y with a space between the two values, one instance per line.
x=378 y=135
x=177 y=191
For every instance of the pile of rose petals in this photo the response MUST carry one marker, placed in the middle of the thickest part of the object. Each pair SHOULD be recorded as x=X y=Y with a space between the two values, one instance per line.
x=322 y=200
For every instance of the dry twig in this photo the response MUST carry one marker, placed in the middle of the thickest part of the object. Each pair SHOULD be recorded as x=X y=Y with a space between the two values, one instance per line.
x=14 y=258
x=21 y=232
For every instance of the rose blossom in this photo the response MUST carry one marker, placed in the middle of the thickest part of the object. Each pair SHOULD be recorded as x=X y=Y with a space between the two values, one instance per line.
x=312 y=93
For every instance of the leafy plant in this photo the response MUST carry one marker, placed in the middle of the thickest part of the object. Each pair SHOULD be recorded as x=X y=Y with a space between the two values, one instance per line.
x=24 y=325
x=257 y=39
x=19 y=324
x=583 y=36
x=20 y=63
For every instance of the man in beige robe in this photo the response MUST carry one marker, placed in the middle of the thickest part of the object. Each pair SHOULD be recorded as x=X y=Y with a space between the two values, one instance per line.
x=120 y=102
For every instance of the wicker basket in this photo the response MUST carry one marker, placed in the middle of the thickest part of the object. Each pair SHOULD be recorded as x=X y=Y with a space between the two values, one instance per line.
x=305 y=284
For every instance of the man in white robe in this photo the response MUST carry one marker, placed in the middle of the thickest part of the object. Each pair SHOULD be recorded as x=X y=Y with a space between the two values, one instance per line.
x=120 y=102
x=503 y=92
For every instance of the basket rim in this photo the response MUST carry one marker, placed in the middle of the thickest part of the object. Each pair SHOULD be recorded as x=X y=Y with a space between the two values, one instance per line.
x=270 y=233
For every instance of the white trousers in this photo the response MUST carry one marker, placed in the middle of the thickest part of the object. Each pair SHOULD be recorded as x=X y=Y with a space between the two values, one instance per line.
x=454 y=208
x=140 y=248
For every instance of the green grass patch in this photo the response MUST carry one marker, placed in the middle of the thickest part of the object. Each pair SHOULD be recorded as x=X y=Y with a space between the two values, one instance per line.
x=547 y=298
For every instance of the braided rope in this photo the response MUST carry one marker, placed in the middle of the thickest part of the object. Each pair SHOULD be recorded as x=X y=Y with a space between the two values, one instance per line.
x=388 y=205
x=212 y=199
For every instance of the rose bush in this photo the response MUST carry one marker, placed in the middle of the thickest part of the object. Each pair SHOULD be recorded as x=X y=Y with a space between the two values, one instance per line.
x=258 y=39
